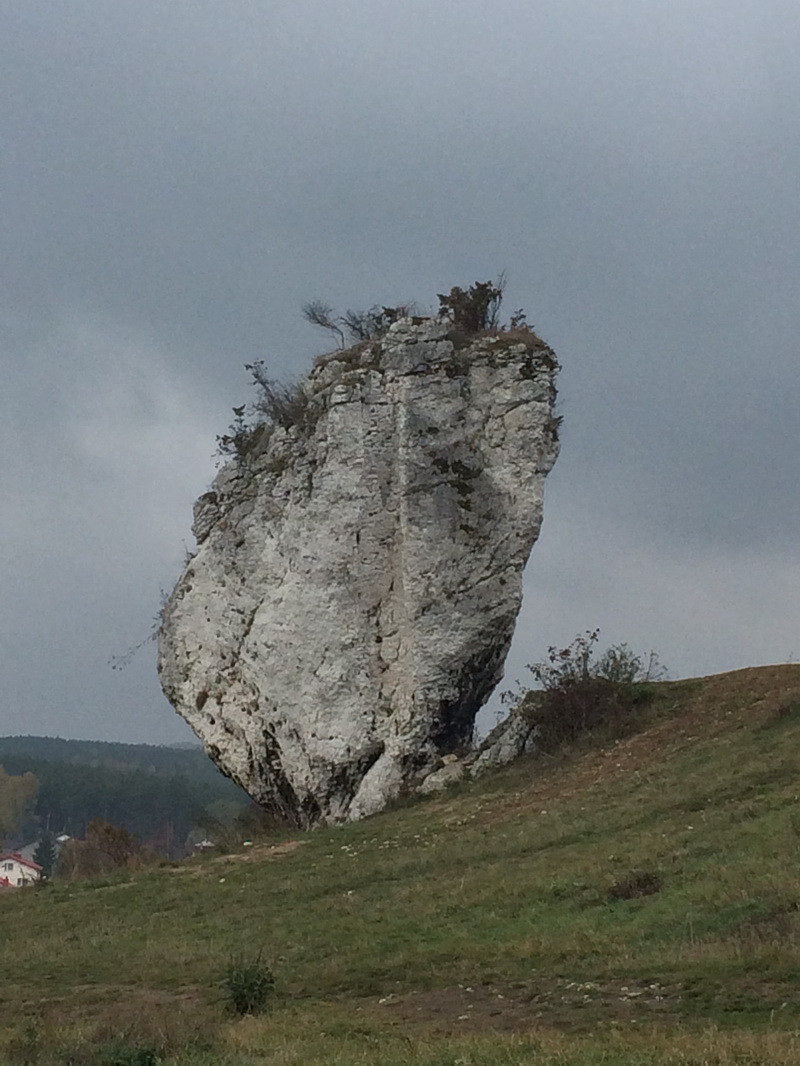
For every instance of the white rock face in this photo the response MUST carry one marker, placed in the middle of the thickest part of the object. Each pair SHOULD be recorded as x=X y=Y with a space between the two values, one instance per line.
x=440 y=779
x=514 y=736
x=358 y=577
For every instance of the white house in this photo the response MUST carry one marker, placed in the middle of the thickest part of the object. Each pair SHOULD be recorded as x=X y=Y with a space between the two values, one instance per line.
x=16 y=871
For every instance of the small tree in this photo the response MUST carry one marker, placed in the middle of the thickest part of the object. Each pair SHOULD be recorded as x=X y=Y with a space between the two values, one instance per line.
x=359 y=325
x=17 y=794
x=476 y=308
x=45 y=853
x=121 y=847
x=321 y=314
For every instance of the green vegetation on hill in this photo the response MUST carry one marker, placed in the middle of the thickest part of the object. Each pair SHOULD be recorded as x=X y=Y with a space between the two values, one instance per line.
x=157 y=793
x=149 y=757
x=629 y=905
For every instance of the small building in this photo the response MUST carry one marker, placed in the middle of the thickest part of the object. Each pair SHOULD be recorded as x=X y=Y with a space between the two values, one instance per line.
x=17 y=871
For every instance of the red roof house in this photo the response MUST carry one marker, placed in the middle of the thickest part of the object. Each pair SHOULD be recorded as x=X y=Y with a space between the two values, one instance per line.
x=16 y=872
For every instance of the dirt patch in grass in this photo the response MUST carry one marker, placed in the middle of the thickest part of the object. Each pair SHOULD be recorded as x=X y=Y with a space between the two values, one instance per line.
x=558 y=1004
x=263 y=851
x=579 y=1006
x=118 y=1008
x=258 y=853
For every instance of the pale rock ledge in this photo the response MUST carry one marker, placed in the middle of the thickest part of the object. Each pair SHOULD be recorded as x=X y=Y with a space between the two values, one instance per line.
x=358 y=575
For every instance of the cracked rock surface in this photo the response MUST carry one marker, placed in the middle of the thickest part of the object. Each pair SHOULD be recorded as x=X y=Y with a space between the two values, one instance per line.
x=358 y=575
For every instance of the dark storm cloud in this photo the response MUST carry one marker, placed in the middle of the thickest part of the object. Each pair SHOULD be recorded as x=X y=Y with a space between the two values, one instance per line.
x=178 y=178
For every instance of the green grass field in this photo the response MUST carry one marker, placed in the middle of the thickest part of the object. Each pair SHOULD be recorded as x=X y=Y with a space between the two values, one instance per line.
x=488 y=926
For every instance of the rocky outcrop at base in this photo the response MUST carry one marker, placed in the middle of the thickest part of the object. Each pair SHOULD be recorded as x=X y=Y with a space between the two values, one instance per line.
x=358 y=572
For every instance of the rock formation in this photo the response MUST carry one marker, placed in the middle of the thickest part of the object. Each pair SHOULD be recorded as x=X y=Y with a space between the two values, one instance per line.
x=359 y=572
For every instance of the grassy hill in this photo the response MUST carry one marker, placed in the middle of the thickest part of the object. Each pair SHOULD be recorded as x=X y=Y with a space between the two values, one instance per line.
x=631 y=905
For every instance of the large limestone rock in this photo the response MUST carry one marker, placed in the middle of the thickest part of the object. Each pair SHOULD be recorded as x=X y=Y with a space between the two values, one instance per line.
x=358 y=574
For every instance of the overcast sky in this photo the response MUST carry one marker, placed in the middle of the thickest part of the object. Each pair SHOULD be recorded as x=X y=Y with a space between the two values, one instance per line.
x=177 y=178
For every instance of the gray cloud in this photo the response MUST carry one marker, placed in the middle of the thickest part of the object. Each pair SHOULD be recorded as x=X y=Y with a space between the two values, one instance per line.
x=177 y=179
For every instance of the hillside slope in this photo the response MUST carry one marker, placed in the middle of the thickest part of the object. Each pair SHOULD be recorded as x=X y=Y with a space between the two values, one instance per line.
x=633 y=904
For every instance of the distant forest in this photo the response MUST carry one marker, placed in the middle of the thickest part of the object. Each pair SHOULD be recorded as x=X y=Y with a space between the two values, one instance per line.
x=160 y=794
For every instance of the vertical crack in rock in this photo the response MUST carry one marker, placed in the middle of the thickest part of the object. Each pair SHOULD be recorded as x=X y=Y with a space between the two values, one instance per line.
x=358 y=575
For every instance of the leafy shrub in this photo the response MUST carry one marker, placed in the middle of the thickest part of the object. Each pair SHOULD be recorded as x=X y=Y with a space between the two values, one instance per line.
x=476 y=308
x=564 y=715
x=247 y=985
x=106 y=848
x=281 y=404
x=277 y=404
x=618 y=664
x=565 y=666
x=241 y=437
x=579 y=696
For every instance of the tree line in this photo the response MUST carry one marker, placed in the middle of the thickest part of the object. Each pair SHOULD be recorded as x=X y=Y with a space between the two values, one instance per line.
x=158 y=795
